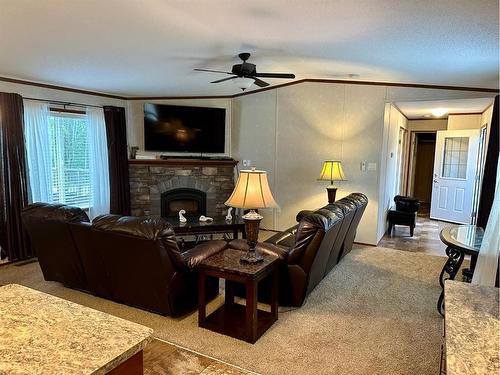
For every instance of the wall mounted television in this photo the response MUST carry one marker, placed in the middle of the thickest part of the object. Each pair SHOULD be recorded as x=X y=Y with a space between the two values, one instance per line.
x=172 y=128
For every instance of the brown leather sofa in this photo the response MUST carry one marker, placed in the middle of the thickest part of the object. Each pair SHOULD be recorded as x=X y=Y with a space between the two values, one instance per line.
x=131 y=260
x=311 y=249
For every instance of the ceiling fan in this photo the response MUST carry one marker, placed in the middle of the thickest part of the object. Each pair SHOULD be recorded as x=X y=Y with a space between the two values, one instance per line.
x=247 y=74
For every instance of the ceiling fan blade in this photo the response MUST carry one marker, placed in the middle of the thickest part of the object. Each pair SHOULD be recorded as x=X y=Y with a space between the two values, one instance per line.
x=275 y=75
x=260 y=82
x=224 y=79
x=212 y=71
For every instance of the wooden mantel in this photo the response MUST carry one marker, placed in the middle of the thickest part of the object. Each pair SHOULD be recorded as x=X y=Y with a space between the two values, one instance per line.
x=185 y=162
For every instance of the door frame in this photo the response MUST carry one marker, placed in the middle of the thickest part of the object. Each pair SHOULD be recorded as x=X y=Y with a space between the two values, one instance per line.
x=402 y=161
x=412 y=156
x=481 y=158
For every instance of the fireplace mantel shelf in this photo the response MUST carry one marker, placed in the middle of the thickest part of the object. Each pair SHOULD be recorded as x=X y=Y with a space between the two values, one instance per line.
x=185 y=162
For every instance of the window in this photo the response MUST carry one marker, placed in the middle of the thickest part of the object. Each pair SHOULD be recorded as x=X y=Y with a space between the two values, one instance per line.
x=456 y=152
x=70 y=162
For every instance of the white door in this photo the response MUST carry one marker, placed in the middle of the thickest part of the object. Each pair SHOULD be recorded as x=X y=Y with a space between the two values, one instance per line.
x=455 y=169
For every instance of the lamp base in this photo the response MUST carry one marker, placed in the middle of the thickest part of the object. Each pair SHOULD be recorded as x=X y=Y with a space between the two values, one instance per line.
x=251 y=257
x=252 y=221
x=332 y=192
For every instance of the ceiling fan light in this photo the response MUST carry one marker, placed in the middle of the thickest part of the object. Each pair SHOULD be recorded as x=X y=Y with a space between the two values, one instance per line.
x=243 y=82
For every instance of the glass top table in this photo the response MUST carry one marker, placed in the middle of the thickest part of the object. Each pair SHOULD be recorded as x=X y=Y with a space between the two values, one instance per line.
x=460 y=240
x=466 y=237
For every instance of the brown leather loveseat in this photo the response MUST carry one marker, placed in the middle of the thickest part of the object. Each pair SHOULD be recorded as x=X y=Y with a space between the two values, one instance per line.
x=131 y=260
x=311 y=249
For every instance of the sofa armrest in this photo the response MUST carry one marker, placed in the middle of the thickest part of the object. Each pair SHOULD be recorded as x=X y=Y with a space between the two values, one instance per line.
x=193 y=257
x=303 y=214
x=268 y=248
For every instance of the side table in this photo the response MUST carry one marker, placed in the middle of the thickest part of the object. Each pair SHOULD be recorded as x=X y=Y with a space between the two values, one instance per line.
x=460 y=240
x=248 y=322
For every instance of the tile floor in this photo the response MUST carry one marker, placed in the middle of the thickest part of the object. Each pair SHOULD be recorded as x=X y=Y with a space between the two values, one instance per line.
x=163 y=358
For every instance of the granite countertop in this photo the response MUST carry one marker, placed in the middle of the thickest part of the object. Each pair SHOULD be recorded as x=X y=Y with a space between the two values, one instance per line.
x=43 y=334
x=472 y=329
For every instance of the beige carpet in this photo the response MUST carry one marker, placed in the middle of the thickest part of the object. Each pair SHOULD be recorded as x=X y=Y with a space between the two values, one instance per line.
x=375 y=313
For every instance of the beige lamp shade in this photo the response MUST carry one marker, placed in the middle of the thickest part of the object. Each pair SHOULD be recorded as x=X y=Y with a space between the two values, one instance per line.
x=251 y=191
x=332 y=171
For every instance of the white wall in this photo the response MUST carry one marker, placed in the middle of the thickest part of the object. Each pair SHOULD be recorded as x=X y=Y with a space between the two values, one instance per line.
x=466 y=121
x=290 y=130
x=135 y=118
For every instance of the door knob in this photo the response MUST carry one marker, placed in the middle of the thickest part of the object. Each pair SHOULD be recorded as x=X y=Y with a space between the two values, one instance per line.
x=435 y=181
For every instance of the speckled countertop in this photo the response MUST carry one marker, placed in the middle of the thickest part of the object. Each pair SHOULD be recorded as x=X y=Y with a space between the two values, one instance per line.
x=472 y=329
x=43 y=334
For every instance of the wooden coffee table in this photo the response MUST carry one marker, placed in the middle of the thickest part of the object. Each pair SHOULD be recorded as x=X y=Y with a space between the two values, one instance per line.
x=248 y=322
x=198 y=228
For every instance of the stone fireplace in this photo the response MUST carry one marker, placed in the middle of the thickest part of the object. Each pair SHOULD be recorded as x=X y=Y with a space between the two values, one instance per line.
x=163 y=187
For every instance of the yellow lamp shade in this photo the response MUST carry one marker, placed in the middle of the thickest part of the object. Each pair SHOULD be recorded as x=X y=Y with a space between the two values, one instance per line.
x=332 y=171
x=251 y=191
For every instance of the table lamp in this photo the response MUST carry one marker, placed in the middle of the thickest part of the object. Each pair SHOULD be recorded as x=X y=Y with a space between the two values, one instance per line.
x=251 y=192
x=332 y=171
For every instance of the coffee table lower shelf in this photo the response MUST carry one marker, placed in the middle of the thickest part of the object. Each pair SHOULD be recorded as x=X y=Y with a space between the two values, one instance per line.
x=230 y=320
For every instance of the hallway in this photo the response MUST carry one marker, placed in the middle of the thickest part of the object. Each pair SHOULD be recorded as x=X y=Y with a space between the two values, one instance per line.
x=425 y=239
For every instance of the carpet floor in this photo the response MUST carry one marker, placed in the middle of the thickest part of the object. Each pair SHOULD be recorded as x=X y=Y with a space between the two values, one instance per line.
x=375 y=313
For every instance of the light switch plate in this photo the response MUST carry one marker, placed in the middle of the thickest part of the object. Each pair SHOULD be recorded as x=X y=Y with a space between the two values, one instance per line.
x=372 y=166
x=363 y=166
x=247 y=163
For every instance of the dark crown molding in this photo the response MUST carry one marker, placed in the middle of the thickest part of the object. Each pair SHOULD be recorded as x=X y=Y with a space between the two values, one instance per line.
x=313 y=80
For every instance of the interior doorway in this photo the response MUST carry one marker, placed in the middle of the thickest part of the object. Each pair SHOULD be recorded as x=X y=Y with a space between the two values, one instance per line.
x=422 y=152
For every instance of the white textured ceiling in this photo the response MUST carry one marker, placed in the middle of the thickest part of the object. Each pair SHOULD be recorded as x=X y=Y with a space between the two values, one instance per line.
x=425 y=109
x=149 y=47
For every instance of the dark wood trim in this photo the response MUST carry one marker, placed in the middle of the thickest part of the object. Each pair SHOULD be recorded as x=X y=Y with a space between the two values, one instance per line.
x=179 y=97
x=270 y=88
x=465 y=114
x=61 y=88
x=314 y=80
x=373 y=83
x=185 y=162
x=400 y=111
x=428 y=119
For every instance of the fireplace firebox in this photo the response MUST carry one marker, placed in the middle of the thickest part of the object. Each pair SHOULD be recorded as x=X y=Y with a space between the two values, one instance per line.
x=194 y=201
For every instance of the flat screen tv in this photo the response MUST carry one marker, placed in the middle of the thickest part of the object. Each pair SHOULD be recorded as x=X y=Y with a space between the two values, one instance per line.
x=172 y=128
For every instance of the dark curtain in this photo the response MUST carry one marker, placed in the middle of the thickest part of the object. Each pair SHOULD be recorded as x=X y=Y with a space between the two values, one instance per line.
x=490 y=170
x=13 y=184
x=116 y=133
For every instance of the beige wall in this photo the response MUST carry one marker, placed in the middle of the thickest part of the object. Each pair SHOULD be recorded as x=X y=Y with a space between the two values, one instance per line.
x=462 y=122
x=289 y=131
x=135 y=119
x=427 y=125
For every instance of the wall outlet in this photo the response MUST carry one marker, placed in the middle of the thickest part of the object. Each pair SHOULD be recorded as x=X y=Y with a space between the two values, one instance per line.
x=247 y=163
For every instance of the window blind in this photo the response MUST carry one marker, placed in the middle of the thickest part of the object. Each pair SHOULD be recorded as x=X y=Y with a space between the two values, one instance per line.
x=70 y=169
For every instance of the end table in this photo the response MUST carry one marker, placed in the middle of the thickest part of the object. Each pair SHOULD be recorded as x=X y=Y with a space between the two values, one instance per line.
x=248 y=322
